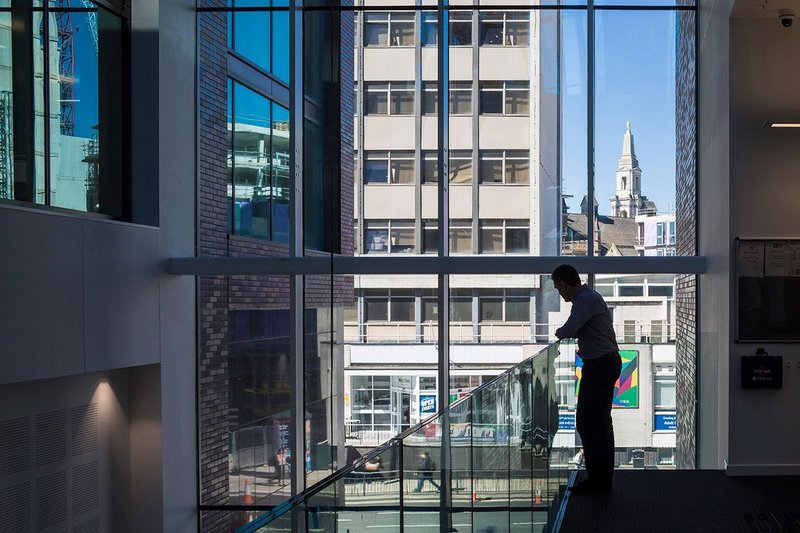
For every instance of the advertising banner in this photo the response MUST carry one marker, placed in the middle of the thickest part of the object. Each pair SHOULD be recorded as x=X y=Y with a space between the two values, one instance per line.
x=626 y=389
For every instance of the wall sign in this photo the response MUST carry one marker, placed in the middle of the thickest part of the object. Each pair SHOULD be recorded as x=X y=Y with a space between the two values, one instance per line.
x=427 y=404
x=665 y=422
x=762 y=371
x=566 y=421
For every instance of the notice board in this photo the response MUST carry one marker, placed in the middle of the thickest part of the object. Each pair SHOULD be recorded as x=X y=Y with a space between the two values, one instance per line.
x=767 y=290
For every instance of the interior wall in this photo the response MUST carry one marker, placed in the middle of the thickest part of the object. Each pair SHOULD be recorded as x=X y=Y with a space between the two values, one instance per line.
x=713 y=201
x=66 y=448
x=176 y=23
x=764 y=430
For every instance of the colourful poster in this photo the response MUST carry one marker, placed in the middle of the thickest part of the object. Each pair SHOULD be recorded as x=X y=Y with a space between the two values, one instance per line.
x=626 y=389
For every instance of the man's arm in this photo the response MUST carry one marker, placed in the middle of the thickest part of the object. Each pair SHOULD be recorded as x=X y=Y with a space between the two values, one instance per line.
x=578 y=316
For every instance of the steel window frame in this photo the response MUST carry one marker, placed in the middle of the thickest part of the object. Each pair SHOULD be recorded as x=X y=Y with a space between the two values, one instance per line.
x=443 y=265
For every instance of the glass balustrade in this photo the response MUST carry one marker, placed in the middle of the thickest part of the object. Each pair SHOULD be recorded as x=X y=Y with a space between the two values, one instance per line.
x=482 y=464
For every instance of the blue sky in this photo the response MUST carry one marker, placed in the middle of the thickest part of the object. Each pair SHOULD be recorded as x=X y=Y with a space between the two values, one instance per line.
x=635 y=80
x=85 y=87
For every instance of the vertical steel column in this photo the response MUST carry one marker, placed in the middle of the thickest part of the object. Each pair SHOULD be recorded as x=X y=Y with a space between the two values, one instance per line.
x=418 y=320
x=22 y=37
x=474 y=298
x=419 y=237
x=443 y=119
x=359 y=238
x=296 y=248
x=401 y=476
x=559 y=141
x=590 y=216
x=476 y=123
x=46 y=106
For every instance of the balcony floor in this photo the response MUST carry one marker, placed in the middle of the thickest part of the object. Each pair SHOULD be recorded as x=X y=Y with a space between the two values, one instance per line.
x=688 y=500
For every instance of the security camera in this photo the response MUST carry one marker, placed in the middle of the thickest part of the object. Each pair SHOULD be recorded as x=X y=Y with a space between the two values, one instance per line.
x=786 y=16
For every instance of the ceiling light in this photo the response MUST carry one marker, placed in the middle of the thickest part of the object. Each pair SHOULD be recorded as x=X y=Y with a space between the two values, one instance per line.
x=768 y=124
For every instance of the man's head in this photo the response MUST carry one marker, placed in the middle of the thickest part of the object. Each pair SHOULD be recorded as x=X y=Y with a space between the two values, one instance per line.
x=566 y=281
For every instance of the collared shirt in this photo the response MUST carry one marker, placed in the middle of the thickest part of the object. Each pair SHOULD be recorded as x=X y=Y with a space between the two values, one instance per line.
x=590 y=322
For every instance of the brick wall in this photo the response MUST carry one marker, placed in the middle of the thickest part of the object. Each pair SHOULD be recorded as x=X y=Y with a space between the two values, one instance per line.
x=218 y=295
x=686 y=240
x=212 y=241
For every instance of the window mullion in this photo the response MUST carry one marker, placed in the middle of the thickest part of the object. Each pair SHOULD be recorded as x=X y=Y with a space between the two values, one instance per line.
x=45 y=103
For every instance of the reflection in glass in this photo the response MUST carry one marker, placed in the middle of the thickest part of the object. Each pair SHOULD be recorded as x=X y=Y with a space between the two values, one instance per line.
x=252 y=35
x=7 y=186
x=261 y=37
x=323 y=377
x=259 y=407
x=258 y=162
x=86 y=113
x=252 y=141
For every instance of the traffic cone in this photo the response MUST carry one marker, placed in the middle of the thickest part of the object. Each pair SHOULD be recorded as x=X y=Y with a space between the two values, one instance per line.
x=474 y=496
x=537 y=498
x=247 y=498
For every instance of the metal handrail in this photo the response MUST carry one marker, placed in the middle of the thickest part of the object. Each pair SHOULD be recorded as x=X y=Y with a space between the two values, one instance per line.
x=629 y=332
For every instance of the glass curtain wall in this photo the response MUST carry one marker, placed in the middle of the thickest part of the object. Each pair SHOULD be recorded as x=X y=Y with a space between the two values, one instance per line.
x=62 y=112
x=542 y=115
x=547 y=130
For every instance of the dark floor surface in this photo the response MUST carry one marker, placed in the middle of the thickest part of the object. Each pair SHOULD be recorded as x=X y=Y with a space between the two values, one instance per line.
x=652 y=501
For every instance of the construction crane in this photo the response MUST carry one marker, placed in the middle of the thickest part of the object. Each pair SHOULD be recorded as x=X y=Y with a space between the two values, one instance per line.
x=66 y=54
x=66 y=78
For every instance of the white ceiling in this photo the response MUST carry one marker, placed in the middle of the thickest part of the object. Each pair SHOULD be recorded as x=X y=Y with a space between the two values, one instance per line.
x=753 y=9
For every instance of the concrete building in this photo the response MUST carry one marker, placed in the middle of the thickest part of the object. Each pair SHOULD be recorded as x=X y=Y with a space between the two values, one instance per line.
x=504 y=195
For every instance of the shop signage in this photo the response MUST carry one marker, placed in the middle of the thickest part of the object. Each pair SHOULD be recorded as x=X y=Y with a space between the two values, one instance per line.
x=427 y=404
x=666 y=422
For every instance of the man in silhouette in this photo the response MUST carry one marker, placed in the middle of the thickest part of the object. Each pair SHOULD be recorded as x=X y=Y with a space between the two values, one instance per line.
x=590 y=322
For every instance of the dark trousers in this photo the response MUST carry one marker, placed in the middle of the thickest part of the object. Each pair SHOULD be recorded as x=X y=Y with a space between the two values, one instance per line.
x=593 y=416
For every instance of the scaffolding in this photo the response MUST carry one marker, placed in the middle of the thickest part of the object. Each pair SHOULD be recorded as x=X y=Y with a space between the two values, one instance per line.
x=91 y=151
x=6 y=146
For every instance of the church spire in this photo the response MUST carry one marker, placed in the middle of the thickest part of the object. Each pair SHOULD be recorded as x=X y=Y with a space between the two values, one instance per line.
x=628 y=201
x=628 y=158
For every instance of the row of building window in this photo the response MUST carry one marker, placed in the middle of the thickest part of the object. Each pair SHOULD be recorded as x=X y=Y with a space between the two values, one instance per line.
x=496 y=236
x=665 y=233
x=635 y=290
x=373 y=393
x=663 y=389
x=511 y=167
x=399 y=305
x=496 y=28
x=396 y=98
